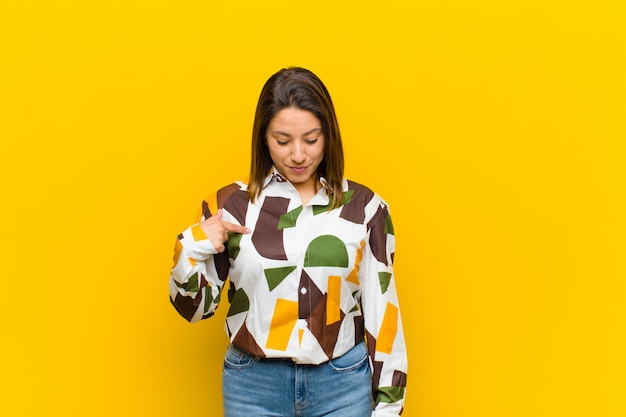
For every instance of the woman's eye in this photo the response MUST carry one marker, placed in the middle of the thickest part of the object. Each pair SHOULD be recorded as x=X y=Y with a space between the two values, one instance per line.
x=311 y=141
x=281 y=142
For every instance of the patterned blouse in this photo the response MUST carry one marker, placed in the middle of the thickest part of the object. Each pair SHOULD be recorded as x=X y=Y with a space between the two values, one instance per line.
x=306 y=284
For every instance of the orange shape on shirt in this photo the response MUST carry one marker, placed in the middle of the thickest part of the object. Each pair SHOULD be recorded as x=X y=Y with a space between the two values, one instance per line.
x=283 y=322
x=197 y=233
x=334 y=297
x=354 y=274
x=178 y=247
x=388 y=329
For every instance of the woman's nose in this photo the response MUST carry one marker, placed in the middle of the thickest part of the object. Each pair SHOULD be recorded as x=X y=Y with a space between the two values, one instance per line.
x=297 y=153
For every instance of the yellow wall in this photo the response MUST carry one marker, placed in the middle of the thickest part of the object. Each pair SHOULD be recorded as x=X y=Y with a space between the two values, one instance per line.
x=495 y=129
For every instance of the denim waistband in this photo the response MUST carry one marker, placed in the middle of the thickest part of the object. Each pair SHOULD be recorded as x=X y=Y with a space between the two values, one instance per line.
x=288 y=360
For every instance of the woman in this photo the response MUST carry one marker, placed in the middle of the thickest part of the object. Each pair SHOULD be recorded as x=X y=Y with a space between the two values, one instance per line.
x=314 y=323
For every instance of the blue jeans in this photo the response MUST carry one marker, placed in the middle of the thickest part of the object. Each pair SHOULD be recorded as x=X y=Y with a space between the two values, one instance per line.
x=255 y=387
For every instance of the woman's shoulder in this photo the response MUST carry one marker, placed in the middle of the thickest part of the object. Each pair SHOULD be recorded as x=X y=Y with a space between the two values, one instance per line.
x=223 y=196
x=353 y=189
x=361 y=202
x=225 y=192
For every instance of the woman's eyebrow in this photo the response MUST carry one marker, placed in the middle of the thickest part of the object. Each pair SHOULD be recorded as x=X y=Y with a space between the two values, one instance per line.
x=279 y=132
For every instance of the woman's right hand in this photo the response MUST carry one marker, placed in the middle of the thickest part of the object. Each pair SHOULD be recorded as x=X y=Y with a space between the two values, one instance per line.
x=216 y=230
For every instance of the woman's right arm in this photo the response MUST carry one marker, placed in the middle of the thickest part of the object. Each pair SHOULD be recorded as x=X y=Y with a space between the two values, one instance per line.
x=201 y=267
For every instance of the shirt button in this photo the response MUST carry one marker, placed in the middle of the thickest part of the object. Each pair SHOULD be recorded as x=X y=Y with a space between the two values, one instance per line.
x=303 y=290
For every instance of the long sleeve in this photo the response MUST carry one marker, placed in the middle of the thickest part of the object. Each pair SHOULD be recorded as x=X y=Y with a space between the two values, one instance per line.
x=383 y=324
x=198 y=274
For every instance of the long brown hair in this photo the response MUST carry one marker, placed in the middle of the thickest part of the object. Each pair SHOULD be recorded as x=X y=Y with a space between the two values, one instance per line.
x=300 y=88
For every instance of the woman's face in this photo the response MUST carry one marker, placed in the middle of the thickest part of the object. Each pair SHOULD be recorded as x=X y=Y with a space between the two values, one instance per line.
x=296 y=144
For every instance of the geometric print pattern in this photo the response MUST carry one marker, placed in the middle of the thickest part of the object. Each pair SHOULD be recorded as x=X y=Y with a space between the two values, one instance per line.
x=308 y=283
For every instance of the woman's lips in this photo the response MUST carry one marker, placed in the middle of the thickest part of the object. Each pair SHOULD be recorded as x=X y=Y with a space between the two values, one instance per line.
x=298 y=170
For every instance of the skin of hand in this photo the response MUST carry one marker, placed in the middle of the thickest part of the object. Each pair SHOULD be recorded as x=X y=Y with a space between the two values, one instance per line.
x=216 y=230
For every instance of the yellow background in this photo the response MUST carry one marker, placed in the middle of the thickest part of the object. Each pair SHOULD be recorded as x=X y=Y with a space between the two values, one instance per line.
x=495 y=129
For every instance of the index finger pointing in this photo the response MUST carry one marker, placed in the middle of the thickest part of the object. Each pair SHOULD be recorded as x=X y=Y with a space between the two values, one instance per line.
x=231 y=227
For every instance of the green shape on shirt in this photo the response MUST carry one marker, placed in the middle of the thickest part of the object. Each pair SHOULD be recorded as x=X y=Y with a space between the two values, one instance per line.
x=320 y=209
x=356 y=305
x=239 y=303
x=384 y=278
x=289 y=219
x=390 y=394
x=275 y=276
x=191 y=285
x=347 y=196
x=388 y=225
x=326 y=250
x=234 y=240
x=208 y=298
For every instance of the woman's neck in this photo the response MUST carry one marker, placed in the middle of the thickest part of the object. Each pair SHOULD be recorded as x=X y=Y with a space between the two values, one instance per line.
x=308 y=190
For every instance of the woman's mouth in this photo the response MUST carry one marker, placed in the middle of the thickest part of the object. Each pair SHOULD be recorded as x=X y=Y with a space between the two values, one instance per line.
x=298 y=170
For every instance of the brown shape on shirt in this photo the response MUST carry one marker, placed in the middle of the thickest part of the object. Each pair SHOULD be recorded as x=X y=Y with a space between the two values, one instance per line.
x=354 y=211
x=308 y=300
x=235 y=201
x=326 y=335
x=378 y=236
x=245 y=341
x=267 y=238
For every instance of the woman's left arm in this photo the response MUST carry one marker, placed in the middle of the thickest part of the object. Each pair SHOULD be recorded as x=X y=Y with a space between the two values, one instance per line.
x=381 y=311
